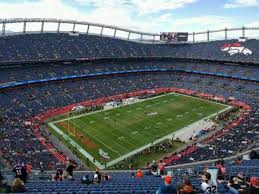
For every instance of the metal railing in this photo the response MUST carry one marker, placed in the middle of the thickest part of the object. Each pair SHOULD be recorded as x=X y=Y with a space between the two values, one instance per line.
x=205 y=162
x=131 y=35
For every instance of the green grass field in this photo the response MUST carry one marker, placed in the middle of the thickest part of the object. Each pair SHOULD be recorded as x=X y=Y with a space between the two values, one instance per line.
x=121 y=130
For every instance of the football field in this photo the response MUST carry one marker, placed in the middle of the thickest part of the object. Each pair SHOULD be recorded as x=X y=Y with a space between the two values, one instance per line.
x=125 y=129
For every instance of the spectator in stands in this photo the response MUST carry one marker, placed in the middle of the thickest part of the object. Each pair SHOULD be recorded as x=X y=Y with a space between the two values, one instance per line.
x=161 y=168
x=28 y=168
x=51 y=165
x=3 y=185
x=24 y=173
x=253 y=188
x=20 y=172
x=237 y=161
x=154 y=168
x=254 y=155
x=208 y=186
x=59 y=175
x=86 y=179
x=187 y=187
x=221 y=184
x=220 y=165
x=60 y=172
x=70 y=169
x=41 y=167
x=97 y=177
x=106 y=177
x=18 y=186
x=238 y=182
x=139 y=174
x=168 y=187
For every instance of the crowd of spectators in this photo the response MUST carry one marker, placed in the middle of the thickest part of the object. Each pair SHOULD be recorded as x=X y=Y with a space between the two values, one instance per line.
x=13 y=74
x=239 y=184
x=61 y=46
x=197 y=179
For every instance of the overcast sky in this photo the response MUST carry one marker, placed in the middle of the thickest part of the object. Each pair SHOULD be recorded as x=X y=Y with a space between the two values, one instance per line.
x=144 y=15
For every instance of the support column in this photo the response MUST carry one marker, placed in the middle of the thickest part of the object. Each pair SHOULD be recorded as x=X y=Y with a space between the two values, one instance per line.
x=208 y=35
x=74 y=27
x=88 y=29
x=3 y=29
x=128 y=35
x=101 y=31
x=226 y=33
x=193 y=37
x=243 y=31
x=42 y=27
x=24 y=27
x=115 y=31
x=58 y=27
x=141 y=37
x=154 y=39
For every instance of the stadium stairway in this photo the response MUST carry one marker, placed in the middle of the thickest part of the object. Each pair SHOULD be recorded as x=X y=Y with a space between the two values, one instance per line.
x=59 y=156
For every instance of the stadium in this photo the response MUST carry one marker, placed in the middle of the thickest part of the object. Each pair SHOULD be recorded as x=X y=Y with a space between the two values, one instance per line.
x=142 y=109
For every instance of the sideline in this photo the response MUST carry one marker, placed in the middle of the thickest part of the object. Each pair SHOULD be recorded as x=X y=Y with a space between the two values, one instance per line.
x=73 y=143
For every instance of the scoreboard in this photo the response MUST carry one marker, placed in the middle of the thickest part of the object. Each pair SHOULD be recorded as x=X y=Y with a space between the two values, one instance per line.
x=171 y=37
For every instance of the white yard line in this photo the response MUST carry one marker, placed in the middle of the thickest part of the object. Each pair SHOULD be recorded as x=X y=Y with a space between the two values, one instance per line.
x=99 y=141
x=94 y=112
x=203 y=99
x=142 y=100
x=73 y=143
x=179 y=133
